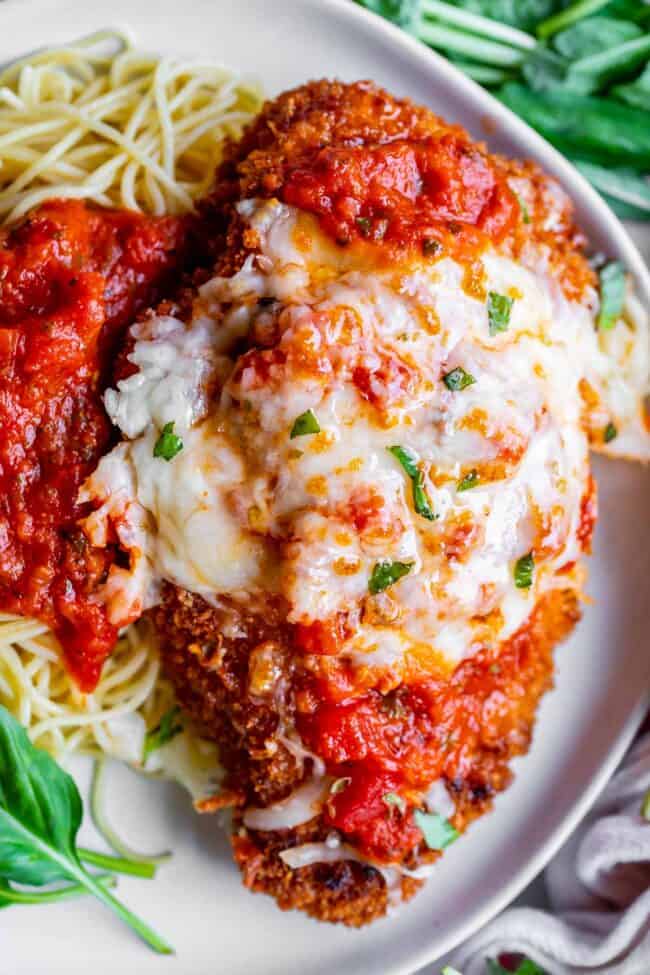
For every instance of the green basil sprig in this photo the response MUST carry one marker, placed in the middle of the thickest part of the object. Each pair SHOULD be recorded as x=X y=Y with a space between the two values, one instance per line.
x=40 y=815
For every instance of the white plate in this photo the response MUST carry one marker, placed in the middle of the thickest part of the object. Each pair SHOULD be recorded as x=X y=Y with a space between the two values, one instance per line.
x=602 y=674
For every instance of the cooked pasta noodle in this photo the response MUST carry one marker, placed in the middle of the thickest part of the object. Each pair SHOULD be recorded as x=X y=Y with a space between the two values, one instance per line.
x=100 y=120
x=130 y=699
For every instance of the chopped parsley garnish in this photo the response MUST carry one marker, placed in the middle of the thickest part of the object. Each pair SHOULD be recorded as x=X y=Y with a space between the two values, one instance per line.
x=498 y=309
x=437 y=831
x=469 y=481
x=610 y=433
x=458 y=379
x=163 y=733
x=525 y=216
x=304 y=424
x=168 y=443
x=431 y=247
x=392 y=799
x=612 y=295
x=524 y=568
x=373 y=229
x=385 y=574
x=421 y=502
x=365 y=226
x=645 y=807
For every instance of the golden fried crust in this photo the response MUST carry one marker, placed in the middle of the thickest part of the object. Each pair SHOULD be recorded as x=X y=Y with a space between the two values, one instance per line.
x=212 y=654
x=210 y=672
x=332 y=114
x=344 y=891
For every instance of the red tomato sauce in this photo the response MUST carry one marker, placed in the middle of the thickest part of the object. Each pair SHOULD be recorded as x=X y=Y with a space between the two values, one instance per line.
x=400 y=743
x=71 y=279
x=442 y=196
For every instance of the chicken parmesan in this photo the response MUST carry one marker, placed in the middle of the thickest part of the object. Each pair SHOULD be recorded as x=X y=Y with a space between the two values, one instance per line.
x=352 y=487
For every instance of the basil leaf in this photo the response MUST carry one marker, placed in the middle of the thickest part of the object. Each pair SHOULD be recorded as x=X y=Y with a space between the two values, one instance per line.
x=499 y=308
x=385 y=574
x=40 y=811
x=40 y=814
x=610 y=433
x=168 y=444
x=524 y=568
x=163 y=733
x=458 y=379
x=421 y=501
x=612 y=295
x=469 y=481
x=304 y=424
x=437 y=831
x=12 y=895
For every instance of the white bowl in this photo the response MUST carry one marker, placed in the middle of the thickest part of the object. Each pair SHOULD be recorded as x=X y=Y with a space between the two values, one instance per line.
x=602 y=674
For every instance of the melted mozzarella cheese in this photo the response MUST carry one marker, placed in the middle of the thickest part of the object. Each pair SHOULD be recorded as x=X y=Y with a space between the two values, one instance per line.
x=246 y=506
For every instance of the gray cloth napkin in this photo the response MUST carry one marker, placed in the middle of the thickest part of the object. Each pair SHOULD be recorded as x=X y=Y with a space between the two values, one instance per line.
x=599 y=889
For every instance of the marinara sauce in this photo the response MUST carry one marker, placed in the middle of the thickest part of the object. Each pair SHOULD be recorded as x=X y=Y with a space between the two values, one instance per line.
x=442 y=195
x=71 y=279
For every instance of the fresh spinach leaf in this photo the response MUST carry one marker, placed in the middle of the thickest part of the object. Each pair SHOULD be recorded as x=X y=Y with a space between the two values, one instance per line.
x=596 y=129
x=636 y=93
x=524 y=14
x=404 y=13
x=593 y=35
x=624 y=185
x=544 y=69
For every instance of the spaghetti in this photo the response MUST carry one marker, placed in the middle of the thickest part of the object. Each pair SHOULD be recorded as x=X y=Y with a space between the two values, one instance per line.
x=129 y=700
x=102 y=121
x=99 y=120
